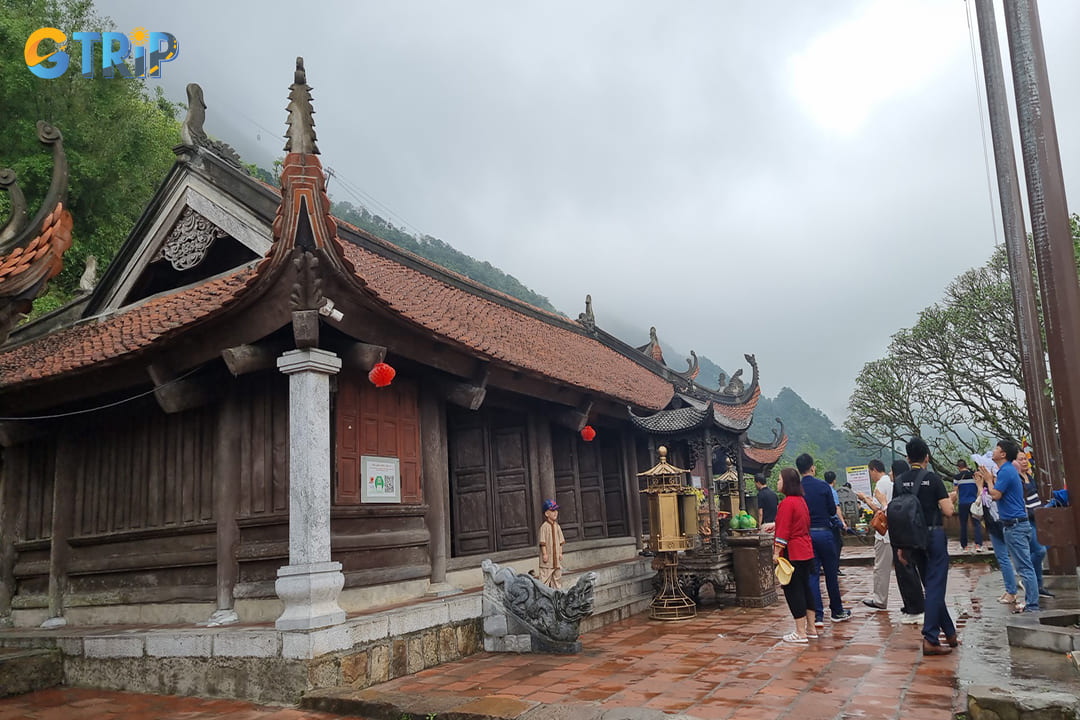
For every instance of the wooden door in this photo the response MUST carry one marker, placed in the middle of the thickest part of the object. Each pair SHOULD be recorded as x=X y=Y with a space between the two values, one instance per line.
x=490 y=489
x=384 y=422
x=472 y=524
x=591 y=487
x=563 y=452
x=615 y=505
x=513 y=493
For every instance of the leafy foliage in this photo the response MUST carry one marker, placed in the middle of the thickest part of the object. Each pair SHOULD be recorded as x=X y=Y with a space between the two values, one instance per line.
x=955 y=377
x=440 y=253
x=118 y=137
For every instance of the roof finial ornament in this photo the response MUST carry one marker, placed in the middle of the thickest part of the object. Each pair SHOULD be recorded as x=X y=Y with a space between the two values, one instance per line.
x=193 y=134
x=301 y=133
x=19 y=215
x=587 y=319
x=652 y=349
x=88 y=280
x=33 y=254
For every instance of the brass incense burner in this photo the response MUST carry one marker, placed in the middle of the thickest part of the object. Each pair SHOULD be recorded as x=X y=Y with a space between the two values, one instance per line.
x=673 y=526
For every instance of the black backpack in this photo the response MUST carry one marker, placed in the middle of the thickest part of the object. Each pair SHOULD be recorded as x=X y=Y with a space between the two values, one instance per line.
x=907 y=524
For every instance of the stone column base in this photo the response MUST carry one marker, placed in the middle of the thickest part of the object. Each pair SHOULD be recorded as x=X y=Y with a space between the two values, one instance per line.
x=310 y=593
x=442 y=589
x=222 y=617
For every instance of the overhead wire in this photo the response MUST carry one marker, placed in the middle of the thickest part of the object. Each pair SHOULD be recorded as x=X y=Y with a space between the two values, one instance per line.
x=106 y=406
x=981 y=103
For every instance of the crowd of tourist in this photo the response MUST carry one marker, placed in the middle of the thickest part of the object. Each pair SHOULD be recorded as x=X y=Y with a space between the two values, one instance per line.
x=999 y=499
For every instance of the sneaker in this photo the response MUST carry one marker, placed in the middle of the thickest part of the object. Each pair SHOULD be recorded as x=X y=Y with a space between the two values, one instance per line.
x=844 y=615
x=820 y=622
x=874 y=604
x=910 y=619
x=978 y=548
x=839 y=572
x=1043 y=592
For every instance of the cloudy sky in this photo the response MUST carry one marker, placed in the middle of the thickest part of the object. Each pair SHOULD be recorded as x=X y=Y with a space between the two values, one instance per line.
x=795 y=180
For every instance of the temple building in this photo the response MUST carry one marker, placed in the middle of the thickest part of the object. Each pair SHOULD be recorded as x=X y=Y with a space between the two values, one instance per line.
x=263 y=414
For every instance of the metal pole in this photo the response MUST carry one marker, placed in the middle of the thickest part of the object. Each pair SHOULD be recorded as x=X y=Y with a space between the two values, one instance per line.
x=1032 y=355
x=1054 y=256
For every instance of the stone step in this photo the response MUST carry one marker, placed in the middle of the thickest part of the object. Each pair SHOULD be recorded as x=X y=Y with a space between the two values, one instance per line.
x=24 y=670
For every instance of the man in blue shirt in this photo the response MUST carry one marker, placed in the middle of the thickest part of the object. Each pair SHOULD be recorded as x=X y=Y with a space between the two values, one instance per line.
x=819 y=500
x=964 y=482
x=1008 y=490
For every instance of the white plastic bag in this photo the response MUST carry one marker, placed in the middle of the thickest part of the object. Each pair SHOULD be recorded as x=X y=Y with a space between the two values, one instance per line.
x=977 y=508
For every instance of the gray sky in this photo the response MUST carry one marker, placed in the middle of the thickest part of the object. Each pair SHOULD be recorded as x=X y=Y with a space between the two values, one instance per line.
x=795 y=180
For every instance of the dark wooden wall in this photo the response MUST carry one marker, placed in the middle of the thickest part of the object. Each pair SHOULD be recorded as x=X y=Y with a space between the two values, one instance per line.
x=142 y=487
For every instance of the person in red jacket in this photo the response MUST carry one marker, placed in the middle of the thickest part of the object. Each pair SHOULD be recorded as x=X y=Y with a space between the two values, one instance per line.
x=793 y=542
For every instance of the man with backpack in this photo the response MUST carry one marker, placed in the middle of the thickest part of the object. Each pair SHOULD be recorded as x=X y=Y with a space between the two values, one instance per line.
x=915 y=516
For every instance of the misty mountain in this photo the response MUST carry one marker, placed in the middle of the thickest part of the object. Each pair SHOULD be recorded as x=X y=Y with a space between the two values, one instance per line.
x=808 y=428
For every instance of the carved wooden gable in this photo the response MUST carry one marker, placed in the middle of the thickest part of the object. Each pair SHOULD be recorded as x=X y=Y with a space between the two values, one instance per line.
x=198 y=232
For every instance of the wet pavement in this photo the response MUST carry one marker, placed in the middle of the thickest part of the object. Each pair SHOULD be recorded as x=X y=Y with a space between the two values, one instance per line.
x=726 y=663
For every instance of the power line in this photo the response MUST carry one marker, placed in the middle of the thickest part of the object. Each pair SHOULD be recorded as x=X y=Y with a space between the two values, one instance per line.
x=101 y=407
x=981 y=102
x=347 y=185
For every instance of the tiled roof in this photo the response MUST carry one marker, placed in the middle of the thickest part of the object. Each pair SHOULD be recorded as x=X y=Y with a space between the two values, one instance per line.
x=737 y=417
x=93 y=342
x=671 y=421
x=766 y=455
x=696 y=414
x=46 y=249
x=502 y=333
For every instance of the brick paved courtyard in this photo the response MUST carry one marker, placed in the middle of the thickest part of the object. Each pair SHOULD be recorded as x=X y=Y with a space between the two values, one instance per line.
x=726 y=663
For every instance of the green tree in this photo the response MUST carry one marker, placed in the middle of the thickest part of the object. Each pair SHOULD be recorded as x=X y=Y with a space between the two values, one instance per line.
x=955 y=377
x=118 y=137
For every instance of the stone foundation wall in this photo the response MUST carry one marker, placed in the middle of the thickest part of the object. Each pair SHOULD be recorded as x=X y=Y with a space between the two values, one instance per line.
x=274 y=679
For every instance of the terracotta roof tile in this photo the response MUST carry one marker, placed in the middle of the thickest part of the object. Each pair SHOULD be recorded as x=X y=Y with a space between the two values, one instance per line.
x=505 y=334
x=739 y=416
x=54 y=239
x=92 y=342
x=766 y=456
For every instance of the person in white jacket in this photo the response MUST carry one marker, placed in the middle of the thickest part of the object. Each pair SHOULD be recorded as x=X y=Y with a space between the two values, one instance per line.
x=883 y=557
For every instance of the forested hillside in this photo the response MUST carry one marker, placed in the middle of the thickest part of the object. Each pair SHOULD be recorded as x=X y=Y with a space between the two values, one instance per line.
x=441 y=253
x=809 y=430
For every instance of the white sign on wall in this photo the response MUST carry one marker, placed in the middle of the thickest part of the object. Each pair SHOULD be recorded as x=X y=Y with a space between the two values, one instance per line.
x=382 y=479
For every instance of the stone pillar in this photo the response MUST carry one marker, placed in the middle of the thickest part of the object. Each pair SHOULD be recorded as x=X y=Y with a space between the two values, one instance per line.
x=310 y=584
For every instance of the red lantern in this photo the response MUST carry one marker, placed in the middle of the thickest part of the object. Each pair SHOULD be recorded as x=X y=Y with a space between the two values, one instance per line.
x=587 y=433
x=381 y=375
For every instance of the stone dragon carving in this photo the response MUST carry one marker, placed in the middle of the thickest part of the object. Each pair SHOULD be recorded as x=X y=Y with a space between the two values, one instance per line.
x=553 y=617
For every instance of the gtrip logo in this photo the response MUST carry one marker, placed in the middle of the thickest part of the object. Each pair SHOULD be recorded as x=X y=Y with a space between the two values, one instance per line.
x=150 y=51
